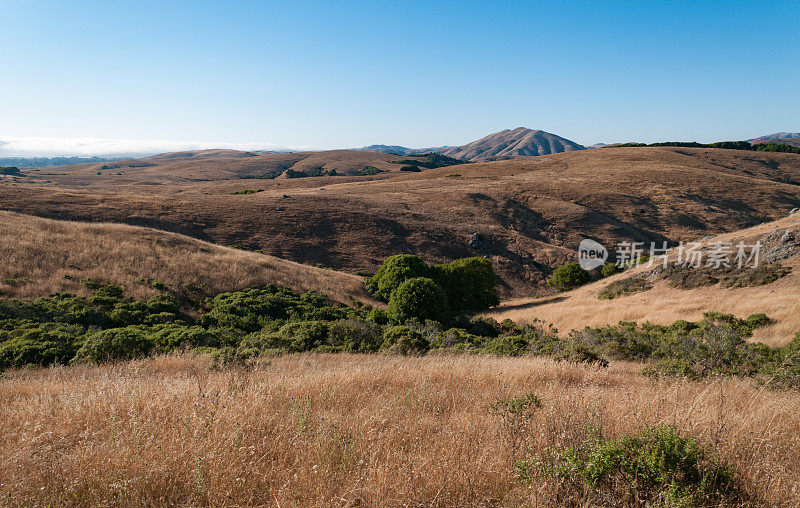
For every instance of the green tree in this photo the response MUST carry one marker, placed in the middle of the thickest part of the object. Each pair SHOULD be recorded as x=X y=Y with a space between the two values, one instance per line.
x=419 y=298
x=394 y=271
x=568 y=276
x=469 y=283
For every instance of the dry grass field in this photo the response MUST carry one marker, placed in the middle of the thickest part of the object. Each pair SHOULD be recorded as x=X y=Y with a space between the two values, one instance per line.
x=348 y=430
x=42 y=256
x=664 y=304
x=532 y=212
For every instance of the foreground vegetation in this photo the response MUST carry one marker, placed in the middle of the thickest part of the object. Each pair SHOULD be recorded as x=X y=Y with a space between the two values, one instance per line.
x=349 y=430
x=422 y=318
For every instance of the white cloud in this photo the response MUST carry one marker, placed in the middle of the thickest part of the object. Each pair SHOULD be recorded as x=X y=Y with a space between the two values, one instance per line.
x=47 y=147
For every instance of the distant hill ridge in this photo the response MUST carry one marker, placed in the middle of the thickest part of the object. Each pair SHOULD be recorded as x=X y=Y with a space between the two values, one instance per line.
x=777 y=135
x=503 y=145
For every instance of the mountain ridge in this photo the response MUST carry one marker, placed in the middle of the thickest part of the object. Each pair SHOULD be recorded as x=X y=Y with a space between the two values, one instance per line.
x=502 y=145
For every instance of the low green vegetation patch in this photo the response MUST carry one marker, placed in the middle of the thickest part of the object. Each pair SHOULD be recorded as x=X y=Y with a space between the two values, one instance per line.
x=311 y=172
x=248 y=191
x=431 y=161
x=9 y=170
x=687 y=277
x=568 y=276
x=730 y=145
x=368 y=171
x=411 y=168
x=624 y=287
x=659 y=466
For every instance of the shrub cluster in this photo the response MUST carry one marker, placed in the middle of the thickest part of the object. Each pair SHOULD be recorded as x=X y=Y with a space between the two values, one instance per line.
x=568 y=276
x=731 y=145
x=431 y=161
x=659 y=466
x=64 y=328
x=416 y=290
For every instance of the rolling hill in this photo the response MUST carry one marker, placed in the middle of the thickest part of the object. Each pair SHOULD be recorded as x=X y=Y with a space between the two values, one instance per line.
x=665 y=304
x=43 y=256
x=529 y=214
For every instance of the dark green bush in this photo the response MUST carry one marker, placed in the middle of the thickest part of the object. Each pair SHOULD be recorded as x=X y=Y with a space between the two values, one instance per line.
x=484 y=326
x=28 y=343
x=304 y=335
x=507 y=345
x=116 y=344
x=394 y=271
x=401 y=340
x=469 y=283
x=411 y=168
x=609 y=269
x=419 y=298
x=657 y=467
x=568 y=276
x=354 y=336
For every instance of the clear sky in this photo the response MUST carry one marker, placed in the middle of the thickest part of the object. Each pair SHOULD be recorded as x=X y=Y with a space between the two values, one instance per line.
x=344 y=74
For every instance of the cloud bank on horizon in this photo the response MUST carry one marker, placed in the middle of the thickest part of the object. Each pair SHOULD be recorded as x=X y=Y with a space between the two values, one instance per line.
x=48 y=147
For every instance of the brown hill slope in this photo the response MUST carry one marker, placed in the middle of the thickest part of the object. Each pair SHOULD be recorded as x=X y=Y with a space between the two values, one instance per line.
x=664 y=304
x=42 y=256
x=180 y=170
x=512 y=144
x=531 y=212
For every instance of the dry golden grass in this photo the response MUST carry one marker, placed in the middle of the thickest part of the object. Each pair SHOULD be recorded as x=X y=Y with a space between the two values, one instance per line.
x=39 y=253
x=664 y=304
x=348 y=430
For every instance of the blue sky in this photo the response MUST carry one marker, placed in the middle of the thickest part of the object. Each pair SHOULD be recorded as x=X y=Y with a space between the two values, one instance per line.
x=342 y=74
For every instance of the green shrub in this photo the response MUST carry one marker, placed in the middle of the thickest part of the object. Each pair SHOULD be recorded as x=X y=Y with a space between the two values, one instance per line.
x=116 y=344
x=36 y=344
x=378 y=317
x=507 y=345
x=568 y=276
x=402 y=340
x=368 y=171
x=657 y=467
x=411 y=168
x=9 y=170
x=394 y=271
x=304 y=335
x=469 y=283
x=456 y=338
x=484 y=326
x=609 y=269
x=419 y=298
x=624 y=287
x=354 y=336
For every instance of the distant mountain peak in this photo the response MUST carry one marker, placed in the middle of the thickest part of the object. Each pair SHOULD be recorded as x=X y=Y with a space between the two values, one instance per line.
x=777 y=135
x=512 y=144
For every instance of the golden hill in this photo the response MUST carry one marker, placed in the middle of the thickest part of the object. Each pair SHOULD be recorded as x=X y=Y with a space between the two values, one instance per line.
x=42 y=256
x=664 y=304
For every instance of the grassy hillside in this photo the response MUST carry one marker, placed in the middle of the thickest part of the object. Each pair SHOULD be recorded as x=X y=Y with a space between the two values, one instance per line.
x=42 y=256
x=529 y=213
x=664 y=304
